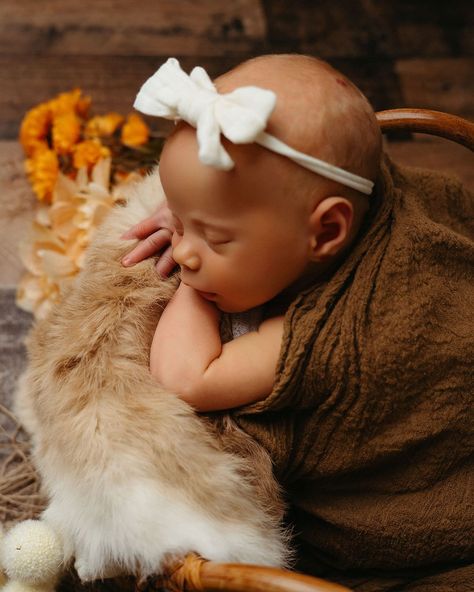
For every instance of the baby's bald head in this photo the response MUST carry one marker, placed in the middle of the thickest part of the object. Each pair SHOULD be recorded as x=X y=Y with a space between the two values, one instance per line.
x=318 y=111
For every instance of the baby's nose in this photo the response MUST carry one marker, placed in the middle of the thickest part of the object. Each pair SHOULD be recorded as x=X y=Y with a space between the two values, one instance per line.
x=185 y=257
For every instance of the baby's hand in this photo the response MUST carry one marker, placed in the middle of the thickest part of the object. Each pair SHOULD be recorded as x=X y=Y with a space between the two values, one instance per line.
x=155 y=238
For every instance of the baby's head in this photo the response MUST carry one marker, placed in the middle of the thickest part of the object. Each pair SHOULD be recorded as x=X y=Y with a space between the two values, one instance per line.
x=246 y=234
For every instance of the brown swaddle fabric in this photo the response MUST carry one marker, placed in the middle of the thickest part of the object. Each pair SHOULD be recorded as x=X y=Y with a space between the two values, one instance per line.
x=370 y=423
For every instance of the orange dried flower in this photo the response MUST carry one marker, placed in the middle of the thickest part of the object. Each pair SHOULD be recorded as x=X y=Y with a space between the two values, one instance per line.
x=34 y=128
x=43 y=169
x=83 y=105
x=88 y=153
x=66 y=132
x=69 y=102
x=103 y=125
x=135 y=131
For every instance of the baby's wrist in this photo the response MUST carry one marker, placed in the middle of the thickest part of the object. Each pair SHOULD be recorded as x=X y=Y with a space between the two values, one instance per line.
x=192 y=296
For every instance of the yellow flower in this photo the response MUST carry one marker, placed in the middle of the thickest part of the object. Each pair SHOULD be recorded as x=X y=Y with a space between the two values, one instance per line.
x=88 y=153
x=34 y=128
x=65 y=132
x=68 y=102
x=135 y=131
x=103 y=125
x=42 y=169
x=39 y=121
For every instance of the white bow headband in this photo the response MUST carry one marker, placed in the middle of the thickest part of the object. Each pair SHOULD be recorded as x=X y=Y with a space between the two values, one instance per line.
x=241 y=116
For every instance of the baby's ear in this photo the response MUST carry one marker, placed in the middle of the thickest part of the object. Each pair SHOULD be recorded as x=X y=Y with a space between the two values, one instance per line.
x=330 y=224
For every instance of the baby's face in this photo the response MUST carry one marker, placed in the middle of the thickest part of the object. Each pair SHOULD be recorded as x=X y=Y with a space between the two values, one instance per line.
x=241 y=237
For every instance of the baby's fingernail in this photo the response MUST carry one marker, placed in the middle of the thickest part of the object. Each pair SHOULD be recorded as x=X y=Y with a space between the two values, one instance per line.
x=125 y=235
x=126 y=261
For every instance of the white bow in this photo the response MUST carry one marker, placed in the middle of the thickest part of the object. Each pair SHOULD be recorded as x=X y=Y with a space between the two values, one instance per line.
x=240 y=116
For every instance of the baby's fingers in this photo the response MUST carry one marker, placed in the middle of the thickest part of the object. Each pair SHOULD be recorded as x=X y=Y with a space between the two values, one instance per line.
x=165 y=263
x=161 y=218
x=149 y=246
x=143 y=229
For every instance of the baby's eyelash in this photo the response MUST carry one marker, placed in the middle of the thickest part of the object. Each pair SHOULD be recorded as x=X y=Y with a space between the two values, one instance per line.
x=218 y=241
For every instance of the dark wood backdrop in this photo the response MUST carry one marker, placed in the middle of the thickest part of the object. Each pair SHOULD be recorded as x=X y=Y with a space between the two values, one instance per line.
x=401 y=53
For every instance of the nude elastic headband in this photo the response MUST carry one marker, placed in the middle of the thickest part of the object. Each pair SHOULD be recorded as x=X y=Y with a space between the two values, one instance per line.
x=240 y=116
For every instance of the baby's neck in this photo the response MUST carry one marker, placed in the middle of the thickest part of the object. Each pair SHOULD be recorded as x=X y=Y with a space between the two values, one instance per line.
x=315 y=274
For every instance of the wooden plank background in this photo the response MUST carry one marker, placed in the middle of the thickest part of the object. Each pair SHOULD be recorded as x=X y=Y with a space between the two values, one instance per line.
x=406 y=52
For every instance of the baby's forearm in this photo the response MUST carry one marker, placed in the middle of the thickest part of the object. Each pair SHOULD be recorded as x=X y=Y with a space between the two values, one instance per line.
x=186 y=341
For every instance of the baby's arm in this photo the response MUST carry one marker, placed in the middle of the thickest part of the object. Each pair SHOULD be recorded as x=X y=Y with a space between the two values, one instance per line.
x=187 y=355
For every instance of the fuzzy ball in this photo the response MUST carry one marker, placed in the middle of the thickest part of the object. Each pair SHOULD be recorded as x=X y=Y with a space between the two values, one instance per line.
x=31 y=553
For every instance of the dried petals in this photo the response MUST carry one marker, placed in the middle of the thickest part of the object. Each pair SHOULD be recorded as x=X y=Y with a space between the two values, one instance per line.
x=68 y=102
x=34 y=128
x=66 y=131
x=88 y=153
x=42 y=170
x=79 y=167
x=55 y=250
x=135 y=131
x=103 y=125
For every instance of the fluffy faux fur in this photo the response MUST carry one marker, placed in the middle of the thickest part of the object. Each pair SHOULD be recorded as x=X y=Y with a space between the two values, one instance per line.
x=135 y=478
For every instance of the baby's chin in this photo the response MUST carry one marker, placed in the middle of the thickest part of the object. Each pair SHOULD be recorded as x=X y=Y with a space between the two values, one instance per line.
x=229 y=309
x=234 y=307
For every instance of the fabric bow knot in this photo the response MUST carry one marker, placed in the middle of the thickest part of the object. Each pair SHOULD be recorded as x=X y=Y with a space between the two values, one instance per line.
x=240 y=116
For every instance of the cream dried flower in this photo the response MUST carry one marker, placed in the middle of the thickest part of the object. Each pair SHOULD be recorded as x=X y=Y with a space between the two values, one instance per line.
x=54 y=252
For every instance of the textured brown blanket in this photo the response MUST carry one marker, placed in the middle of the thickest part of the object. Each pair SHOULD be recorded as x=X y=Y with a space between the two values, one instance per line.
x=370 y=423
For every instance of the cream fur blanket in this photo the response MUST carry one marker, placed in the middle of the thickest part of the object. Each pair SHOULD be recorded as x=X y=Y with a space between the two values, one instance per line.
x=134 y=477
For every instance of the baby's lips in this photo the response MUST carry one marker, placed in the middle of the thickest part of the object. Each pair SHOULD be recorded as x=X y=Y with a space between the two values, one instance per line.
x=207 y=295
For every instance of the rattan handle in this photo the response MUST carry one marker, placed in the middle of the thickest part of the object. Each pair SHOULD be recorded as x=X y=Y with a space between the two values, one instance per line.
x=425 y=121
x=196 y=574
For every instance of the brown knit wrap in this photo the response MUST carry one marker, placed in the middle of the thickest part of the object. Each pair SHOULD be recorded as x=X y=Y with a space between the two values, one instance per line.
x=370 y=423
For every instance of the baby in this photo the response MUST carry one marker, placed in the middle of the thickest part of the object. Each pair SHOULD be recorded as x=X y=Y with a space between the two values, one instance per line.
x=355 y=371
x=257 y=234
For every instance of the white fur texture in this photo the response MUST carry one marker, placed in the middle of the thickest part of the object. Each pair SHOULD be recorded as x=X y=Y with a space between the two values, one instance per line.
x=135 y=477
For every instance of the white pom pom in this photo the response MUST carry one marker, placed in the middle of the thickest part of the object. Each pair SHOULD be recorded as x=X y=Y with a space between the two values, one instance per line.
x=31 y=553
x=15 y=586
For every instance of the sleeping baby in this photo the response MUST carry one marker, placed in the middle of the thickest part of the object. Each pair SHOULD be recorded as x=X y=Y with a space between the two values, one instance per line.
x=313 y=352
x=322 y=303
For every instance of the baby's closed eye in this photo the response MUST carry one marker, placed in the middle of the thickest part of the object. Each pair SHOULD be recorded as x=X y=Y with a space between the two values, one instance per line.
x=214 y=239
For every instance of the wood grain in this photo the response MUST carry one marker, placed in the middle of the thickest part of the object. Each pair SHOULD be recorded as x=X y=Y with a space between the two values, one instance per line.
x=111 y=81
x=369 y=29
x=400 y=54
x=437 y=123
x=444 y=84
x=122 y=28
x=198 y=574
